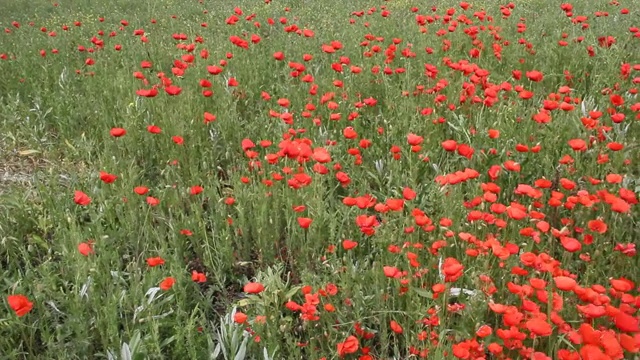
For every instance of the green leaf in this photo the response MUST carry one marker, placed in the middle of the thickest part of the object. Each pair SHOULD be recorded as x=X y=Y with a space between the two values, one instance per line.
x=423 y=293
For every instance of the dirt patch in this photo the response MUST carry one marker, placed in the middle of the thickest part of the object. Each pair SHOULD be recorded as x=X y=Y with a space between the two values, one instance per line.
x=18 y=167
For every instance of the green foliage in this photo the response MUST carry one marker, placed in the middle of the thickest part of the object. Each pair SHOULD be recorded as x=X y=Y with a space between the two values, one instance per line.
x=227 y=199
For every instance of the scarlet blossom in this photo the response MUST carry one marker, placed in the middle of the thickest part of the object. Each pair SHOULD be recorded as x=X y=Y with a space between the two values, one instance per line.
x=198 y=277
x=449 y=145
x=395 y=204
x=167 y=283
x=177 y=139
x=85 y=248
x=452 y=269
x=173 y=90
x=240 y=317
x=539 y=327
x=534 y=75
x=141 y=190
x=214 y=70
x=153 y=129
x=117 y=132
x=408 y=194
x=208 y=118
x=81 y=198
x=461 y=351
x=152 y=201
x=565 y=283
x=20 y=304
x=149 y=93
x=616 y=100
x=304 y=222
x=349 y=244
x=484 y=331
x=466 y=151
x=615 y=146
x=395 y=327
x=253 y=288
x=598 y=226
x=196 y=189
x=570 y=244
x=413 y=139
x=627 y=323
x=107 y=178
x=578 y=144
x=321 y=155
x=349 y=346
x=155 y=261
x=391 y=272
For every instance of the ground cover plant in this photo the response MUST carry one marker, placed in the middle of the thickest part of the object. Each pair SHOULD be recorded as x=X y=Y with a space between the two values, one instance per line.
x=319 y=180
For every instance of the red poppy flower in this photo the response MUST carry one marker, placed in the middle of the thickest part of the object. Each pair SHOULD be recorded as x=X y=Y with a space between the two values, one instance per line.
x=565 y=283
x=598 y=226
x=208 y=117
x=20 y=304
x=391 y=272
x=449 y=145
x=85 y=248
x=155 y=261
x=196 y=189
x=304 y=222
x=395 y=327
x=154 y=129
x=349 y=346
x=253 y=288
x=570 y=244
x=240 y=317
x=534 y=75
x=81 y=198
x=627 y=323
x=578 y=144
x=173 y=90
x=452 y=269
x=321 y=155
x=141 y=190
x=408 y=194
x=147 y=92
x=118 y=132
x=167 y=283
x=107 y=178
x=198 y=277
x=484 y=331
x=413 y=139
x=349 y=244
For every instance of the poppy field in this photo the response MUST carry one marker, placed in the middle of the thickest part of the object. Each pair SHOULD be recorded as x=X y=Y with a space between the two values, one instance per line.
x=287 y=179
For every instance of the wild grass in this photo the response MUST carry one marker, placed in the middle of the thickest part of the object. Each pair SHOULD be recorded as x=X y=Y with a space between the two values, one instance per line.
x=315 y=179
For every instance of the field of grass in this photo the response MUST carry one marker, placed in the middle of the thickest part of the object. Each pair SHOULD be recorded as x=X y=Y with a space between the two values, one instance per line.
x=293 y=179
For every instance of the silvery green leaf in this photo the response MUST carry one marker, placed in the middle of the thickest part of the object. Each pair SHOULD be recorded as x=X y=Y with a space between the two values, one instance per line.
x=50 y=303
x=137 y=311
x=242 y=351
x=85 y=288
x=110 y=355
x=155 y=317
x=135 y=341
x=458 y=291
x=216 y=351
x=125 y=352
x=151 y=293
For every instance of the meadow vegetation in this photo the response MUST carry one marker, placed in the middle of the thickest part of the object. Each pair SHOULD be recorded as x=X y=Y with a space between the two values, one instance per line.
x=287 y=179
